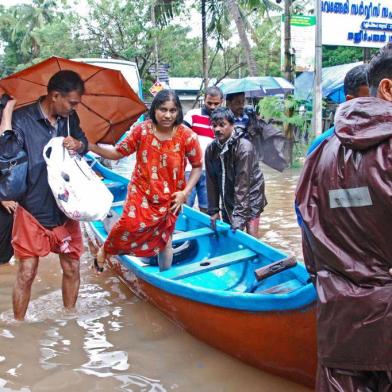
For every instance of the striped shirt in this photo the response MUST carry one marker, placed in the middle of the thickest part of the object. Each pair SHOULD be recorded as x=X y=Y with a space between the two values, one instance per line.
x=199 y=121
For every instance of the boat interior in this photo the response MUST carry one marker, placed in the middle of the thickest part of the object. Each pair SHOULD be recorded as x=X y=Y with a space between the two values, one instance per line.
x=213 y=259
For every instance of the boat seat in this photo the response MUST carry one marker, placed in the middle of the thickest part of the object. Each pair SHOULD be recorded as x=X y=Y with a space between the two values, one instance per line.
x=115 y=185
x=282 y=288
x=193 y=234
x=209 y=264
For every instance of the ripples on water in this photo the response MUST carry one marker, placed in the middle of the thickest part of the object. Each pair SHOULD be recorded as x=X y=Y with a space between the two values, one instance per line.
x=115 y=342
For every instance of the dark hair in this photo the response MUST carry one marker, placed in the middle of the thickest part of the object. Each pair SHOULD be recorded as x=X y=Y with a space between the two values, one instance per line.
x=162 y=97
x=66 y=81
x=379 y=68
x=222 y=113
x=214 y=91
x=354 y=79
x=231 y=96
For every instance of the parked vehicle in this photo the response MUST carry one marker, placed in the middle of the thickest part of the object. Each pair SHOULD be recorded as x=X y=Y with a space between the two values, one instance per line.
x=127 y=68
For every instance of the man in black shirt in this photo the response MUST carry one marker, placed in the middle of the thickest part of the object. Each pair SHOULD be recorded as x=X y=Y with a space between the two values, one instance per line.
x=40 y=226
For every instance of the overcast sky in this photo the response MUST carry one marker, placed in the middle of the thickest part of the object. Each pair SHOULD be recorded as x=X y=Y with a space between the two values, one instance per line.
x=13 y=2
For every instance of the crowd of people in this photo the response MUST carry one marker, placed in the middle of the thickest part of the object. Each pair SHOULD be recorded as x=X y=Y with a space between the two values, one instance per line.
x=343 y=202
x=170 y=171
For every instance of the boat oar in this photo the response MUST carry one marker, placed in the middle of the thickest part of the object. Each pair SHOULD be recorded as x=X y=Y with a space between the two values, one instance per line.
x=274 y=268
x=269 y=270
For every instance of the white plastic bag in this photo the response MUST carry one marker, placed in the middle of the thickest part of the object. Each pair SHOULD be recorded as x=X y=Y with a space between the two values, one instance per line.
x=78 y=191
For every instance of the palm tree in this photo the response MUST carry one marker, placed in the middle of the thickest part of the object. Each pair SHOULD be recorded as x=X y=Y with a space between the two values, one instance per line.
x=220 y=13
x=204 y=42
x=30 y=17
x=234 y=11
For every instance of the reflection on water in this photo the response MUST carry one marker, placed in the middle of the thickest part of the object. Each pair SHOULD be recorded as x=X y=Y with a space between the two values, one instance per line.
x=115 y=342
x=278 y=222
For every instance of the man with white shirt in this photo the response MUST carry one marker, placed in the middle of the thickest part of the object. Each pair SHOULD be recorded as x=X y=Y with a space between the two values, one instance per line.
x=199 y=121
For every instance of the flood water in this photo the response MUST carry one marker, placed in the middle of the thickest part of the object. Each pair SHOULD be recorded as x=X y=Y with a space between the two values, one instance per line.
x=115 y=342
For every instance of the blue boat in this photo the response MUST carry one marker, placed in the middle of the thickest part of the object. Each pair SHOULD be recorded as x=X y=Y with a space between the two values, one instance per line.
x=266 y=319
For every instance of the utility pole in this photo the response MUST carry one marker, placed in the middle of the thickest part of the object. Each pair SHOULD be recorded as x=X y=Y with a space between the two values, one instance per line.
x=156 y=54
x=288 y=74
x=366 y=55
x=204 y=43
x=317 y=98
x=288 y=69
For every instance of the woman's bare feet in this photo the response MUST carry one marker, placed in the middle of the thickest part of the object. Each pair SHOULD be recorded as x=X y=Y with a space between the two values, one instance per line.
x=100 y=259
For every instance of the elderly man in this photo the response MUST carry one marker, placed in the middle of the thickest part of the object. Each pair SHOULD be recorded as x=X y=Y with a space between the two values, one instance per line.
x=40 y=227
x=344 y=198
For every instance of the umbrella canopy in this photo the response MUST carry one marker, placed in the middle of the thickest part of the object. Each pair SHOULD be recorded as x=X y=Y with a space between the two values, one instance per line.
x=231 y=86
x=257 y=86
x=107 y=109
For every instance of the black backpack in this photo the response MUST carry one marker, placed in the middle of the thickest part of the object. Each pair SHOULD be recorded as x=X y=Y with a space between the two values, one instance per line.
x=13 y=163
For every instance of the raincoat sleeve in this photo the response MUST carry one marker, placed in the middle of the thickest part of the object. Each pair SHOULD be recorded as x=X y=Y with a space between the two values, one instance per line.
x=212 y=180
x=308 y=256
x=244 y=161
x=77 y=133
x=269 y=143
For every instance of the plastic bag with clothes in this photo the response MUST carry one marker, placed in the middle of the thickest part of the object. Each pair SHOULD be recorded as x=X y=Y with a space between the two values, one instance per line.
x=78 y=191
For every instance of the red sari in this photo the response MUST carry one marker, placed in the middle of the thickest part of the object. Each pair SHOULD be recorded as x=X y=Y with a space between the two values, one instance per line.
x=147 y=222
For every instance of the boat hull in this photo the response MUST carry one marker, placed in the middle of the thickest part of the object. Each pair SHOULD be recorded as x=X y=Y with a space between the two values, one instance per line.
x=282 y=343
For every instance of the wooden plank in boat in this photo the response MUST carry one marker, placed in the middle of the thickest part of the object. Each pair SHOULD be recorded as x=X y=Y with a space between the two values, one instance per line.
x=193 y=234
x=114 y=184
x=282 y=288
x=209 y=264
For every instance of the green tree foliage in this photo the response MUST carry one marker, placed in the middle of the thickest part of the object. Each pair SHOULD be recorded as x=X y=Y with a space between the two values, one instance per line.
x=335 y=55
x=60 y=38
x=266 y=34
x=184 y=56
x=31 y=33
x=275 y=108
x=121 y=30
x=28 y=18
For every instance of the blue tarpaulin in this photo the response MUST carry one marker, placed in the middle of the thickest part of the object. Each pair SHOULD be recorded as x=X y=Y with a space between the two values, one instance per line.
x=332 y=83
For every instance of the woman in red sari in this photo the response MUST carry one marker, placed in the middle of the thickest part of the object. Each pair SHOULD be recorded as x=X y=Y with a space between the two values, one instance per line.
x=157 y=189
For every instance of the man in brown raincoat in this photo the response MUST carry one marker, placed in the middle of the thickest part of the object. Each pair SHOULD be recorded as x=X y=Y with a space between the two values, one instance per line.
x=235 y=182
x=344 y=197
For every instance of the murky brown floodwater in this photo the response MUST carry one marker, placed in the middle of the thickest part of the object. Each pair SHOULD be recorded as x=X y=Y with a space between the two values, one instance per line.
x=116 y=342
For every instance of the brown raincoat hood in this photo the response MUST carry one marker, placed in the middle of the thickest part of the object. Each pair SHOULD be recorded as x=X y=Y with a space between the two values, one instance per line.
x=363 y=122
x=344 y=197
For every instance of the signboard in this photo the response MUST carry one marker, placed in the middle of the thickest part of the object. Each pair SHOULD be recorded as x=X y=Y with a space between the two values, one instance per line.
x=303 y=37
x=360 y=23
x=156 y=88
